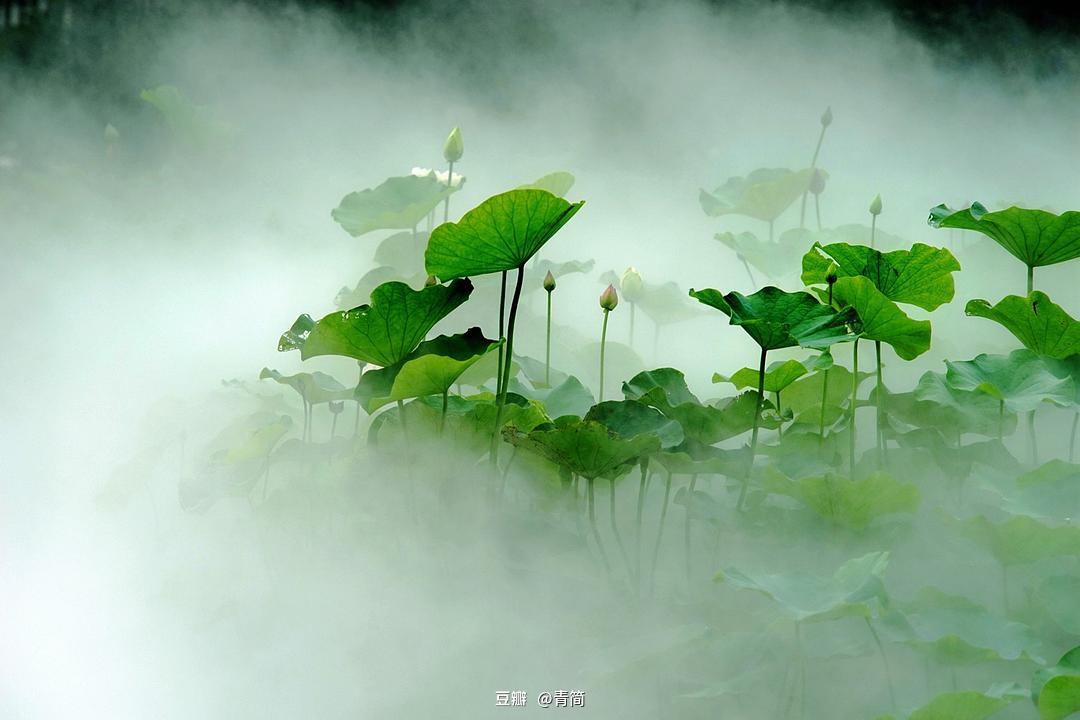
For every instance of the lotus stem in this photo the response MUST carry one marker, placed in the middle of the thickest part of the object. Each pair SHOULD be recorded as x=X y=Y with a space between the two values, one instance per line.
x=813 y=164
x=854 y=392
x=333 y=424
x=817 y=210
x=659 y=533
x=873 y=229
x=1030 y=279
x=449 y=185
x=824 y=399
x=592 y=524
x=686 y=529
x=603 y=343
x=618 y=536
x=779 y=412
x=749 y=274
x=880 y=408
x=547 y=350
x=1032 y=442
x=884 y=661
x=505 y=373
x=502 y=335
x=640 y=510
x=754 y=432
x=1001 y=424
x=442 y=415
x=1072 y=435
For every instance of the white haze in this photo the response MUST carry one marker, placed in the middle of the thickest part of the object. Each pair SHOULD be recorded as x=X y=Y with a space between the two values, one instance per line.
x=129 y=298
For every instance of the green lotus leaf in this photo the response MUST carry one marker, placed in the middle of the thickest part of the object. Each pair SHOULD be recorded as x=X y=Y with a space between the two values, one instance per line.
x=852 y=504
x=584 y=448
x=693 y=458
x=710 y=424
x=1067 y=369
x=921 y=276
x=1021 y=539
x=852 y=234
x=1035 y=237
x=499 y=234
x=559 y=270
x=569 y=397
x=194 y=124
x=630 y=418
x=1051 y=490
x=956 y=631
x=969 y=704
x=1056 y=597
x=295 y=337
x=939 y=404
x=667 y=384
x=347 y=298
x=775 y=259
x=776 y=319
x=389 y=329
x=778 y=376
x=431 y=369
x=804 y=395
x=763 y=194
x=665 y=303
x=260 y=442
x=1020 y=379
x=882 y=319
x=557 y=183
x=1056 y=690
x=399 y=203
x=403 y=250
x=853 y=590
x=1037 y=322
x=315 y=388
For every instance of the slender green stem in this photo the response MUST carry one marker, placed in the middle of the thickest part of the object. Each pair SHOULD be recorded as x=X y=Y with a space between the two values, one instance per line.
x=817 y=210
x=502 y=335
x=780 y=413
x=884 y=661
x=505 y=373
x=754 y=433
x=449 y=184
x=854 y=393
x=442 y=415
x=1001 y=423
x=640 y=511
x=880 y=408
x=873 y=229
x=1033 y=445
x=813 y=164
x=603 y=343
x=659 y=533
x=1030 y=279
x=547 y=351
x=333 y=425
x=824 y=399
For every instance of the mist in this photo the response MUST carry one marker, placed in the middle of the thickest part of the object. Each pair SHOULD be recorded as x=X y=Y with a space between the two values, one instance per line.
x=149 y=274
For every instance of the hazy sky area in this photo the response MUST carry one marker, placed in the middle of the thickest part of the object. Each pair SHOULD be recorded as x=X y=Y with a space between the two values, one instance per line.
x=142 y=270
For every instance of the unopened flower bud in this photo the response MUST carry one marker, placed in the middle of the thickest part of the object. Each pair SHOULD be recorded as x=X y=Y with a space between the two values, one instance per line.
x=549 y=281
x=817 y=182
x=609 y=299
x=454 y=147
x=875 y=205
x=826 y=117
x=631 y=284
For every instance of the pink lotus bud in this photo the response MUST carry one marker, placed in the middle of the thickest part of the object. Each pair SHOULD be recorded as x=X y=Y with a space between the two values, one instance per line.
x=549 y=281
x=609 y=299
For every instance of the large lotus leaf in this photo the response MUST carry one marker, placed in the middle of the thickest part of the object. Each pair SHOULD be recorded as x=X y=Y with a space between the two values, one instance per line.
x=969 y=704
x=882 y=319
x=1067 y=369
x=772 y=258
x=499 y=234
x=558 y=270
x=1056 y=690
x=956 y=631
x=1035 y=237
x=1051 y=490
x=852 y=504
x=630 y=418
x=1056 y=596
x=569 y=397
x=852 y=234
x=763 y=194
x=557 y=183
x=584 y=448
x=666 y=384
x=1020 y=379
x=399 y=203
x=665 y=303
x=190 y=123
x=314 y=388
x=804 y=395
x=777 y=376
x=692 y=458
x=361 y=294
x=1035 y=321
x=295 y=337
x=404 y=251
x=534 y=371
x=261 y=440
x=389 y=329
x=710 y=424
x=776 y=319
x=1021 y=539
x=938 y=404
x=431 y=369
x=853 y=590
x=921 y=276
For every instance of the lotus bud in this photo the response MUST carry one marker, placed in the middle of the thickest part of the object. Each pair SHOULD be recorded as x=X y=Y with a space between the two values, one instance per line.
x=431 y=280
x=826 y=117
x=337 y=407
x=549 y=281
x=454 y=147
x=111 y=133
x=830 y=275
x=817 y=182
x=631 y=284
x=875 y=206
x=609 y=299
